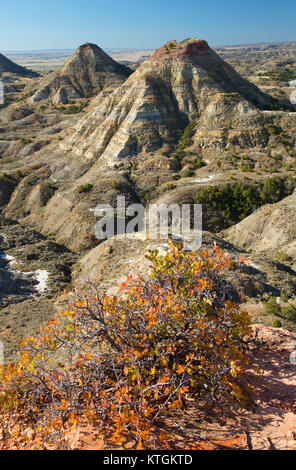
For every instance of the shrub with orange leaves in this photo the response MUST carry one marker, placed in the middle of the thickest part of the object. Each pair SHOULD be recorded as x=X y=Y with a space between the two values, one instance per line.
x=132 y=359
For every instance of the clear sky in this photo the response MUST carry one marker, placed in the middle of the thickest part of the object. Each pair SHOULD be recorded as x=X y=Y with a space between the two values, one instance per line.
x=65 y=24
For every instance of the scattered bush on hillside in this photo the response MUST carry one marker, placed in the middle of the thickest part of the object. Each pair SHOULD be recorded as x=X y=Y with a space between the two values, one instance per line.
x=246 y=168
x=174 y=335
x=284 y=297
x=275 y=189
x=272 y=307
x=26 y=141
x=188 y=174
x=289 y=312
x=199 y=163
x=235 y=201
x=116 y=185
x=85 y=188
x=277 y=157
x=170 y=187
x=283 y=257
x=272 y=129
x=185 y=142
x=73 y=108
x=279 y=74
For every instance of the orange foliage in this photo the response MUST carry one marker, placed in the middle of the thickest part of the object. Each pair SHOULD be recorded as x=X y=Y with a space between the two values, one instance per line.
x=176 y=334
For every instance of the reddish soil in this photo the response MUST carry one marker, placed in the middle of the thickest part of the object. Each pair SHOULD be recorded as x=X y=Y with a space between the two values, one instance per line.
x=89 y=47
x=174 y=49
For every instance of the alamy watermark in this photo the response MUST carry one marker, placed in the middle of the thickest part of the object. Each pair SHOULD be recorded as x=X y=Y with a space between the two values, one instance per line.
x=1 y=93
x=157 y=221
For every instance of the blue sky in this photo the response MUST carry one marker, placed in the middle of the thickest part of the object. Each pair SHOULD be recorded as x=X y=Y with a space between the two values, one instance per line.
x=63 y=24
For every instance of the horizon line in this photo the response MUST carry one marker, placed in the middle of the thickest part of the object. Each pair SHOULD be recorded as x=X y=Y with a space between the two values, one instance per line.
x=148 y=49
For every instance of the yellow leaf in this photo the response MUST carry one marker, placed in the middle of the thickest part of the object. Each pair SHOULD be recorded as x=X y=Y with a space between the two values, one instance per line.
x=152 y=372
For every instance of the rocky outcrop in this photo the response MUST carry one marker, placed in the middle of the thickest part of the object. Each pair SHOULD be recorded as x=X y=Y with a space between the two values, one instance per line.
x=24 y=255
x=180 y=83
x=87 y=72
x=142 y=121
x=108 y=265
x=270 y=229
x=7 y=66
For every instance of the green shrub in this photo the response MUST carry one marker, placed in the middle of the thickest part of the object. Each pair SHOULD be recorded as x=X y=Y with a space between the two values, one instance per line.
x=275 y=189
x=282 y=256
x=289 y=312
x=284 y=297
x=234 y=200
x=199 y=163
x=277 y=323
x=272 y=129
x=188 y=174
x=85 y=188
x=180 y=153
x=246 y=168
x=26 y=141
x=279 y=74
x=74 y=109
x=277 y=156
x=185 y=141
x=170 y=186
x=272 y=307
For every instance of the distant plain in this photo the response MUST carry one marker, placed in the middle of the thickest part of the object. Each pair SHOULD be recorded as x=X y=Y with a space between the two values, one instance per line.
x=49 y=60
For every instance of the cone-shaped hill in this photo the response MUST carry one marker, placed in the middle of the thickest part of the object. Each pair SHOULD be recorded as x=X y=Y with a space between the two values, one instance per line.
x=181 y=83
x=134 y=140
x=7 y=66
x=88 y=71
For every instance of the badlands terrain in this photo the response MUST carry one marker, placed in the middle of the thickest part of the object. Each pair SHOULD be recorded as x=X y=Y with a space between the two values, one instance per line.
x=184 y=124
x=184 y=127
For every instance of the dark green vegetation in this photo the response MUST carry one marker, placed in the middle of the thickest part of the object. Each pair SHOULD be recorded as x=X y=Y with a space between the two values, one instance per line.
x=274 y=308
x=85 y=188
x=188 y=174
x=74 y=108
x=238 y=200
x=184 y=156
x=279 y=74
